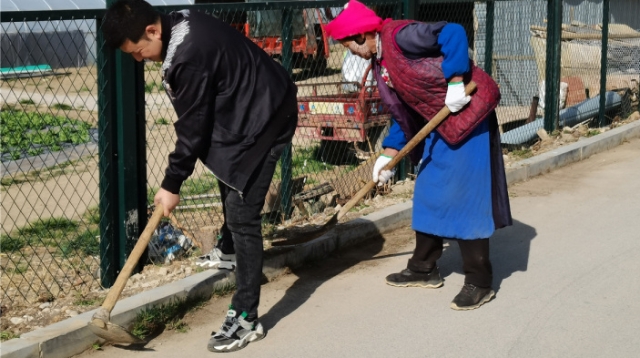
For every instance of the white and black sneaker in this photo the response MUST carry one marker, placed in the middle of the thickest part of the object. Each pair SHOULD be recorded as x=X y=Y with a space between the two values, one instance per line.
x=216 y=259
x=235 y=333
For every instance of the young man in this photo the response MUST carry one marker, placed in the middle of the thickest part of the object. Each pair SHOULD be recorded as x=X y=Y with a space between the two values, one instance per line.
x=460 y=191
x=236 y=112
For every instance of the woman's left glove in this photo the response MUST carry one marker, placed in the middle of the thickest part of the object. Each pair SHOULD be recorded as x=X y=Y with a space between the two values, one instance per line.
x=456 y=97
x=382 y=176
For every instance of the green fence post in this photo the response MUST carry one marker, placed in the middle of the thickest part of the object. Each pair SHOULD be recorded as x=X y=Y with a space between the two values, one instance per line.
x=286 y=158
x=552 y=70
x=603 y=62
x=132 y=161
x=108 y=181
x=409 y=8
x=489 y=29
x=123 y=180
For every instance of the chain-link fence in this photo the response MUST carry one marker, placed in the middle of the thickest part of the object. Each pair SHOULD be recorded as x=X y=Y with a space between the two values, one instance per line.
x=84 y=150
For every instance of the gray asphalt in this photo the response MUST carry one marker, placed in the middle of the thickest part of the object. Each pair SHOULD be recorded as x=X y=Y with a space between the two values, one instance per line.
x=566 y=276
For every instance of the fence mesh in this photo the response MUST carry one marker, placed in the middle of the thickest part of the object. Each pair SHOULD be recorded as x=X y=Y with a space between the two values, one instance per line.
x=50 y=218
x=51 y=164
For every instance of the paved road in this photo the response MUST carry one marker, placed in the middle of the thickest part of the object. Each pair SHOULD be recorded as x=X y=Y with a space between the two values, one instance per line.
x=566 y=275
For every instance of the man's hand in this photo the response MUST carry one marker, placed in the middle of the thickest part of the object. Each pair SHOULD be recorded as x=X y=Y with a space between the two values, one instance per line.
x=456 y=97
x=168 y=200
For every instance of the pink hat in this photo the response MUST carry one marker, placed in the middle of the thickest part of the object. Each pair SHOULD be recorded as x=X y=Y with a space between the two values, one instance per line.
x=355 y=19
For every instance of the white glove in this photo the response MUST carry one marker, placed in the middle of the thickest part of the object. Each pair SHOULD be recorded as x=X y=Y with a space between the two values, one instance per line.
x=382 y=176
x=456 y=97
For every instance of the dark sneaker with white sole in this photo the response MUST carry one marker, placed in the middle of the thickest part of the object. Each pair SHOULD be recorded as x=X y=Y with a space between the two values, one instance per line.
x=235 y=333
x=408 y=278
x=472 y=297
x=217 y=259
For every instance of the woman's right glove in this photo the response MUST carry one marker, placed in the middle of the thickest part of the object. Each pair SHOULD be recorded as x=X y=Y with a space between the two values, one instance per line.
x=382 y=176
x=456 y=97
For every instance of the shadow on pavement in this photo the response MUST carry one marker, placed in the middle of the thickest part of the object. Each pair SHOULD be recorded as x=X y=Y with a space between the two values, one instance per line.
x=312 y=275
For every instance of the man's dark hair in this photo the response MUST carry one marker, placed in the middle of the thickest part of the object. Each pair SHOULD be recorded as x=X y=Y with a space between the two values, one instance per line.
x=127 y=20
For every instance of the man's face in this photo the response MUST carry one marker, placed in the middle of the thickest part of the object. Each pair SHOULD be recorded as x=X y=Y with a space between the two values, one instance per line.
x=149 y=47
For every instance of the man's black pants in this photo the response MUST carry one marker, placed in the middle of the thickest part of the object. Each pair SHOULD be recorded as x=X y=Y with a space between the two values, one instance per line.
x=242 y=229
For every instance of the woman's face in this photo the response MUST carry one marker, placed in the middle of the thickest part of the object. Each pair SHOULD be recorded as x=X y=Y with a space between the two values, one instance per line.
x=363 y=46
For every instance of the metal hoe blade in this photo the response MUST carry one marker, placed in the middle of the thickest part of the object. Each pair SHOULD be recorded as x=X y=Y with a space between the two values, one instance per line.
x=114 y=333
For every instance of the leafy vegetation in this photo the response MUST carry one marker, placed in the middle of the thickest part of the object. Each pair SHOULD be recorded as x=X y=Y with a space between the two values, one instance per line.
x=32 y=133
x=7 y=335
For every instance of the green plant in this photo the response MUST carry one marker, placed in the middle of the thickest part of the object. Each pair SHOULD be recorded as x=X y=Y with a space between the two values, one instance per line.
x=592 y=132
x=19 y=269
x=162 y=121
x=7 y=335
x=19 y=131
x=97 y=347
x=88 y=243
x=47 y=231
x=27 y=101
x=157 y=318
x=150 y=87
x=11 y=243
x=61 y=106
x=522 y=153
x=81 y=300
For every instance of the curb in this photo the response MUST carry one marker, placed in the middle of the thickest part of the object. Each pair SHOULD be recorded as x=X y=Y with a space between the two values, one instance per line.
x=72 y=336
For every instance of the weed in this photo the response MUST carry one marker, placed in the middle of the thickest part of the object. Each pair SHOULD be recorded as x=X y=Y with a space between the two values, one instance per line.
x=156 y=319
x=162 y=121
x=19 y=269
x=61 y=106
x=11 y=243
x=150 y=87
x=7 y=335
x=27 y=101
x=87 y=243
x=97 y=347
x=82 y=300
x=592 y=133
x=522 y=153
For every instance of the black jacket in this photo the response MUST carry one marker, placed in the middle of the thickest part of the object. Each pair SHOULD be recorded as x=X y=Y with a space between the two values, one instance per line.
x=225 y=90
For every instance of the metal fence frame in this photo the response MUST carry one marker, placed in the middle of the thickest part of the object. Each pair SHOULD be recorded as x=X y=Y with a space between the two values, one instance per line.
x=123 y=178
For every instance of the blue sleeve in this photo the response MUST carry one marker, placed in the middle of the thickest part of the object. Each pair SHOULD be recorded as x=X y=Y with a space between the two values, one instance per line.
x=395 y=139
x=454 y=47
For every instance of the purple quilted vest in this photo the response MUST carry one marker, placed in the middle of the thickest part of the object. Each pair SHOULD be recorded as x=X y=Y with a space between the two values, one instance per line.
x=421 y=85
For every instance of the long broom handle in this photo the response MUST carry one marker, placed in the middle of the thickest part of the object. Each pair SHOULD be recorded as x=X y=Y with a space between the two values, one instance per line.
x=420 y=136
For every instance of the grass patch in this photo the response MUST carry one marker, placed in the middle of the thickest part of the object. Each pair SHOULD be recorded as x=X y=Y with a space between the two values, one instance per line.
x=61 y=106
x=304 y=161
x=7 y=335
x=153 y=86
x=87 y=243
x=162 y=121
x=82 y=300
x=522 y=153
x=27 y=101
x=169 y=316
x=592 y=132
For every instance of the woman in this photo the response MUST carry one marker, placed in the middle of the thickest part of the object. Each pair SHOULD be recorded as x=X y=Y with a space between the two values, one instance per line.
x=460 y=191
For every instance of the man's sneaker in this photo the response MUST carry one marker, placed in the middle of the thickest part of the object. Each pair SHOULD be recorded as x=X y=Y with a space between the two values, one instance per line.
x=408 y=278
x=216 y=259
x=235 y=333
x=472 y=297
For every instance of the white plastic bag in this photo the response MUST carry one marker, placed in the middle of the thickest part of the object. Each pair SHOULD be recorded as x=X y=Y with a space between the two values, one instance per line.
x=353 y=68
x=564 y=89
